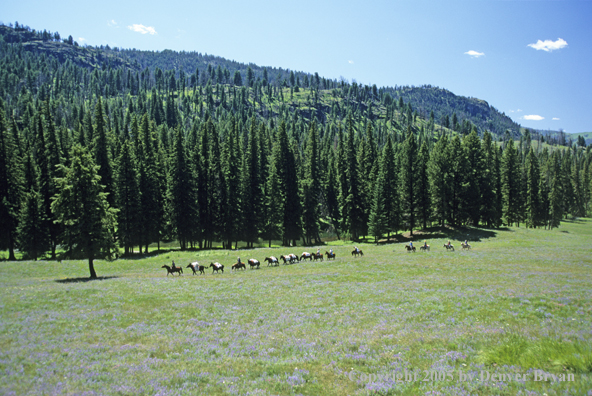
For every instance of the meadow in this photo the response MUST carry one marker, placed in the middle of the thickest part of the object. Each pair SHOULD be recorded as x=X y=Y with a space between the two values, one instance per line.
x=519 y=301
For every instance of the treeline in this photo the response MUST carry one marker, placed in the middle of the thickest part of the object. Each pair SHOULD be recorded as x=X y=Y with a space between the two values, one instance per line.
x=92 y=160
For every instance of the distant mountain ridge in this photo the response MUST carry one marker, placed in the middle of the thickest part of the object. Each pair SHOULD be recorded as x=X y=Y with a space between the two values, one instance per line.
x=424 y=100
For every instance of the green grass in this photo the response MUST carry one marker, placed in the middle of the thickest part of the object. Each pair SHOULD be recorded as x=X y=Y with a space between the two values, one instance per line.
x=519 y=301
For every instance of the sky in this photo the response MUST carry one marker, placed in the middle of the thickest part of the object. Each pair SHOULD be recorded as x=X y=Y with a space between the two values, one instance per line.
x=531 y=60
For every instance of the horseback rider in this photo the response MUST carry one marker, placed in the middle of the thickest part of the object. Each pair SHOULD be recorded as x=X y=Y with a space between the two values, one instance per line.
x=466 y=242
x=411 y=244
x=238 y=260
x=318 y=251
x=448 y=243
x=331 y=252
x=356 y=249
x=425 y=244
x=174 y=264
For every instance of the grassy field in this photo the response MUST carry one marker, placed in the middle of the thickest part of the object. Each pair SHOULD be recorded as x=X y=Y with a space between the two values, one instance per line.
x=519 y=301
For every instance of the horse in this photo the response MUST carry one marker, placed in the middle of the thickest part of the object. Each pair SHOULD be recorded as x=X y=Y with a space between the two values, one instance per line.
x=272 y=261
x=330 y=255
x=238 y=266
x=293 y=257
x=465 y=246
x=305 y=255
x=449 y=247
x=196 y=267
x=318 y=256
x=173 y=270
x=287 y=259
x=254 y=263
x=424 y=248
x=410 y=248
x=356 y=252
x=216 y=267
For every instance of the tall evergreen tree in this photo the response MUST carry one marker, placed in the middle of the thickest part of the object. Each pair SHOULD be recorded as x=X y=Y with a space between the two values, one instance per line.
x=474 y=174
x=183 y=210
x=407 y=179
x=11 y=187
x=423 y=185
x=353 y=210
x=128 y=200
x=510 y=184
x=81 y=206
x=101 y=153
x=438 y=173
x=311 y=187
x=533 y=204
x=32 y=233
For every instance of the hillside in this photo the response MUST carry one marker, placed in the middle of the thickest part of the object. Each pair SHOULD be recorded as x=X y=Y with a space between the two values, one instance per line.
x=197 y=69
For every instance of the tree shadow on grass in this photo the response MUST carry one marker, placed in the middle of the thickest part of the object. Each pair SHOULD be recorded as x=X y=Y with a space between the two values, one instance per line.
x=79 y=280
x=472 y=234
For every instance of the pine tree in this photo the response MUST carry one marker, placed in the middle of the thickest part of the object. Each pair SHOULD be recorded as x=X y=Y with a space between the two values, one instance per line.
x=32 y=232
x=458 y=168
x=11 y=187
x=311 y=187
x=533 y=204
x=488 y=182
x=407 y=174
x=352 y=211
x=292 y=223
x=438 y=174
x=423 y=185
x=252 y=190
x=510 y=184
x=474 y=174
x=183 y=210
x=101 y=153
x=556 y=197
x=81 y=206
x=128 y=200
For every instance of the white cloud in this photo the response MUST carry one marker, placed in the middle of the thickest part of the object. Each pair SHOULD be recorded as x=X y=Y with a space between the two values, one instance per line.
x=142 y=29
x=533 y=117
x=555 y=119
x=351 y=62
x=112 y=23
x=549 y=45
x=81 y=39
x=474 y=54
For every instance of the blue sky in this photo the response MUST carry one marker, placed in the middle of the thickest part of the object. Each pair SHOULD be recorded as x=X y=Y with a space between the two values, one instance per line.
x=529 y=59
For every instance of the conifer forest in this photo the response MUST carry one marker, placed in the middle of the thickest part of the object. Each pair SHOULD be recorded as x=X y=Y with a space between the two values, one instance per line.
x=105 y=152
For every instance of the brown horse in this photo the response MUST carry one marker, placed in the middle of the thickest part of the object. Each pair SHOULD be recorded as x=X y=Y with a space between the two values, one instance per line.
x=424 y=248
x=238 y=266
x=254 y=263
x=465 y=246
x=170 y=270
x=318 y=256
x=216 y=267
x=272 y=261
x=330 y=255
x=196 y=267
x=359 y=251
x=410 y=248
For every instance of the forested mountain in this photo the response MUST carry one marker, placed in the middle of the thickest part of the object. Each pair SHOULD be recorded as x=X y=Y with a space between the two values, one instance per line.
x=194 y=148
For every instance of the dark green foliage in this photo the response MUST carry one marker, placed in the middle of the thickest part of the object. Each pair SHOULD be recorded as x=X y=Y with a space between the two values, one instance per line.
x=128 y=200
x=510 y=185
x=11 y=187
x=183 y=211
x=409 y=187
x=32 y=232
x=81 y=207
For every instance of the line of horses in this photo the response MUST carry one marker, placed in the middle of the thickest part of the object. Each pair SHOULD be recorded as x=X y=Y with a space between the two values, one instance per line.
x=426 y=248
x=252 y=263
